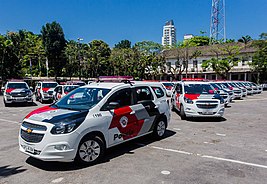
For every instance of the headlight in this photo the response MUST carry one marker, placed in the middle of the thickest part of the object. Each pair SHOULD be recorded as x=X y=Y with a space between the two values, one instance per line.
x=66 y=127
x=187 y=100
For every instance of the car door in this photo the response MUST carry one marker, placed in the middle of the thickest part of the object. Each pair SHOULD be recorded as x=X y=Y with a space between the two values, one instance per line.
x=124 y=124
x=178 y=91
x=147 y=109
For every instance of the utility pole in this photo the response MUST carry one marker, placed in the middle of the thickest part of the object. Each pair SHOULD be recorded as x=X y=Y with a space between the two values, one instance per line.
x=217 y=24
x=79 y=55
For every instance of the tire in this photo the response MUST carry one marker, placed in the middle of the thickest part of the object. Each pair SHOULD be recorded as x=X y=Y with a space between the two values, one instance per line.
x=160 y=128
x=182 y=113
x=90 y=150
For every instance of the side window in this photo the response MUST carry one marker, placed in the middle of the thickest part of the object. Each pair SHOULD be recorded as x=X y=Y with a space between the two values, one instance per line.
x=178 y=88
x=158 y=91
x=143 y=94
x=122 y=98
x=59 y=89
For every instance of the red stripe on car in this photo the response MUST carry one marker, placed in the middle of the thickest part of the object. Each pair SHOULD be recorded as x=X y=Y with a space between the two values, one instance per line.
x=9 y=90
x=192 y=96
x=133 y=126
x=45 y=89
x=40 y=110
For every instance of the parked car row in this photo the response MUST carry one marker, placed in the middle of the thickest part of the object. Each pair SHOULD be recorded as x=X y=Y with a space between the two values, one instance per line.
x=202 y=98
x=85 y=121
x=18 y=91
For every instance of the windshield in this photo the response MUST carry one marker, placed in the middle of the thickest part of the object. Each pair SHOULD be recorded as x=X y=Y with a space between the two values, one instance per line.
x=167 y=84
x=198 y=89
x=216 y=86
x=68 y=89
x=82 y=98
x=17 y=86
x=50 y=85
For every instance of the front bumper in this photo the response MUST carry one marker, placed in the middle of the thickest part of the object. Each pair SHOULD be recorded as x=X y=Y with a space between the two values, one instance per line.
x=61 y=147
x=193 y=111
x=11 y=99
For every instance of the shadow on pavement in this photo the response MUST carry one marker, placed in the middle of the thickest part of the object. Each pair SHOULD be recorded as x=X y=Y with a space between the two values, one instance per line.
x=206 y=119
x=22 y=104
x=6 y=171
x=116 y=151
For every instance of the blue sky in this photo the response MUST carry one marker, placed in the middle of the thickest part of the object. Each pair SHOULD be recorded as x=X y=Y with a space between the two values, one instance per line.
x=135 y=20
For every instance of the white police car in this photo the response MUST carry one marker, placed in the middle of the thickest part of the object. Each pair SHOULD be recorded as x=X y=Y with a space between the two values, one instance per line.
x=196 y=98
x=85 y=122
x=16 y=92
x=44 y=91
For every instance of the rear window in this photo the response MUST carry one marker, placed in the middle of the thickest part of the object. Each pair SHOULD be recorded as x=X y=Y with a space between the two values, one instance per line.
x=158 y=91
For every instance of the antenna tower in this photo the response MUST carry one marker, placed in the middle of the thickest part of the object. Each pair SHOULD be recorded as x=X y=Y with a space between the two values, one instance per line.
x=217 y=24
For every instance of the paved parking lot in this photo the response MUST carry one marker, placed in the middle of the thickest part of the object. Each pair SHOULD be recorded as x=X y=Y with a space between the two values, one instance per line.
x=233 y=150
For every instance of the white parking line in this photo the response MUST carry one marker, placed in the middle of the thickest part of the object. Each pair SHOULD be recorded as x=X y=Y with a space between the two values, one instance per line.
x=165 y=172
x=15 y=122
x=210 y=157
x=221 y=134
x=57 y=180
x=208 y=143
x=177 y=129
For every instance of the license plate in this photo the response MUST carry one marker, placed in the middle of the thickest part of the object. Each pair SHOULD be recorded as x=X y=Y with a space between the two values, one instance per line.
x=29 y=149
x=207 y=112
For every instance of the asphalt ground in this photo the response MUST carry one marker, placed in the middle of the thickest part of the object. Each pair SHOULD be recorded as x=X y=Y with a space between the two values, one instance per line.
x=230 y=150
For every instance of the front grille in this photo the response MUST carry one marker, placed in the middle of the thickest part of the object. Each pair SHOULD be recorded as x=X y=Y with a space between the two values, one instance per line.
x=50 y=92
x=207 y=106
x=31 y=137
x=230 y=93
x=224 y=96
x=237 y=91
x=34 y=126
x=22 y=94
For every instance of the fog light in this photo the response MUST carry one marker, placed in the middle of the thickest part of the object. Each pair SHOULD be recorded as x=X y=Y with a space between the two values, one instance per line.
x=61 y=147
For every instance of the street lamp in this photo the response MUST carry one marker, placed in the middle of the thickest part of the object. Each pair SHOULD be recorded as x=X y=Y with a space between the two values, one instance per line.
x=79 y=54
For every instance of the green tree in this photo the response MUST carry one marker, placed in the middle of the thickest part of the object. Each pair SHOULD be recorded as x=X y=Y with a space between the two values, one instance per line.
x=196 y=41
x=54 y=44
x=259 y=61
x=222 y=66
x=98 y=57
x=123 y=44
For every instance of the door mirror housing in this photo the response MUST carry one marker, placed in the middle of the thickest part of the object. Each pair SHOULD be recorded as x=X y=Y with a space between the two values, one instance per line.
x=113 y=105
x=2 y=89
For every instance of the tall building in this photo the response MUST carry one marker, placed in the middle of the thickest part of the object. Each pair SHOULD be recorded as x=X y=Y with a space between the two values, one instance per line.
x=169 y=34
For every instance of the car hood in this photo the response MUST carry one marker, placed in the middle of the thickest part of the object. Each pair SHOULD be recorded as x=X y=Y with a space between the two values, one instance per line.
x=17 y=90
x=54 y=115
x=202 y=96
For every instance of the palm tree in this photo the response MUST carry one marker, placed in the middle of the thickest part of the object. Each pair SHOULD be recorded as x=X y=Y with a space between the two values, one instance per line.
x=245 y=39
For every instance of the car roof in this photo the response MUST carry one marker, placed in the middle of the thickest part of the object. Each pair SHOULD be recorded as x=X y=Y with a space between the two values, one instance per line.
x=110 y=85
x=195 y=82
x=107 y=85
x=16 y=82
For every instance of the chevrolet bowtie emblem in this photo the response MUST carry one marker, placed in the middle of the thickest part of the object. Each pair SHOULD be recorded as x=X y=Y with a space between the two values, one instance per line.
x=29 y=130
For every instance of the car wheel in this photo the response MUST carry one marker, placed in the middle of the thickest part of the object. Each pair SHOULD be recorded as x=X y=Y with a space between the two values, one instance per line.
x=172 y=106
x=182 y=113
x=90 y=150
x=160 y=128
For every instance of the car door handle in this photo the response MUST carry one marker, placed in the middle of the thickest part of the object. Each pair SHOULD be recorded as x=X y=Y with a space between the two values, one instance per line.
x=132 y=113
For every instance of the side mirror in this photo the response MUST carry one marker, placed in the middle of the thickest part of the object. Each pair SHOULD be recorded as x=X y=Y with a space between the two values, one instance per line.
x=38 y=87
x=2 y=89
x=113 y=105
x=31 y=88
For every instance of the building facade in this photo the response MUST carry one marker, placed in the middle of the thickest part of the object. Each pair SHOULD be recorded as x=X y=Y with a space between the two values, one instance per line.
x=178 y=59
x=169 y=34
